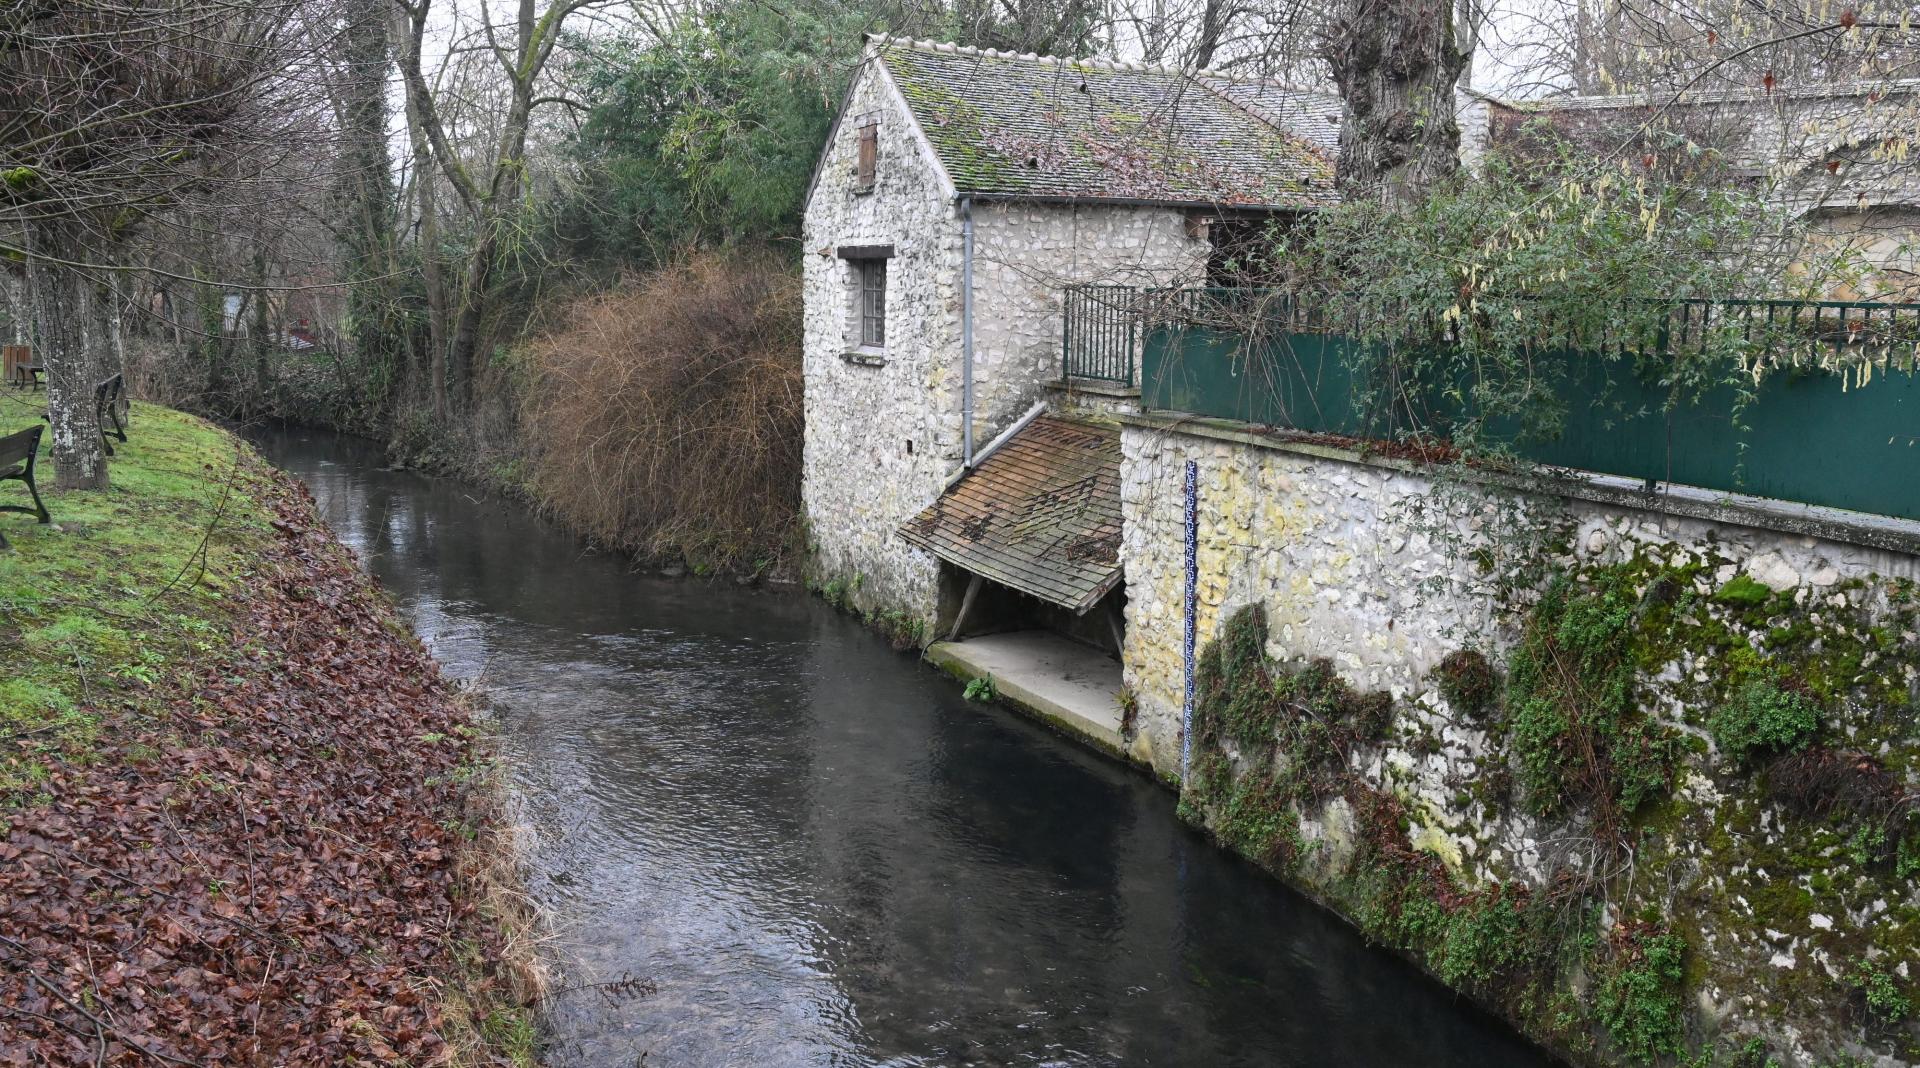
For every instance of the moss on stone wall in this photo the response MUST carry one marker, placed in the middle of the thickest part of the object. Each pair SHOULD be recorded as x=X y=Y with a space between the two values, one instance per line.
x=1714 y=782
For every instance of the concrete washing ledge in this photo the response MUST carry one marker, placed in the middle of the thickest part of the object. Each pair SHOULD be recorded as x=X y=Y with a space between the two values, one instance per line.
x=1069 y=686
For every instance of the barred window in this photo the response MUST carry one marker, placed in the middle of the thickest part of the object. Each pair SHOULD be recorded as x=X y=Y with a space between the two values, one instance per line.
x=873 y=302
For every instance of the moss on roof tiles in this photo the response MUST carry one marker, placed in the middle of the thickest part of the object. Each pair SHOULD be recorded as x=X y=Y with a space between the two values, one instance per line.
x=1038 y=127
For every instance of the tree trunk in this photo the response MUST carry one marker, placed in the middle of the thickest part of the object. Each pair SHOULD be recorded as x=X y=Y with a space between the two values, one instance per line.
x=116 y=325
x=1213 y=23
x=67 y=307
x=502 y=197
x=366 y=199
x=406 y=41
x=464 y=349
x=1396 y=62
x=261 y=335
x=19 y=306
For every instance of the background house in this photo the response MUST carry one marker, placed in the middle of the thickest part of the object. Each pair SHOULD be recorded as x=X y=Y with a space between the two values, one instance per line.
x=1833 y=154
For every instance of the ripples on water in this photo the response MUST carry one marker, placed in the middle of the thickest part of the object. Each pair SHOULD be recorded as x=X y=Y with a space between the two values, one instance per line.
x=822 y=855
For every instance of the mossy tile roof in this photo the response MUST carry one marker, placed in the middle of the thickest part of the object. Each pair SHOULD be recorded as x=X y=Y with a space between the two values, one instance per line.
x=1011 y=125
x=1040 y=514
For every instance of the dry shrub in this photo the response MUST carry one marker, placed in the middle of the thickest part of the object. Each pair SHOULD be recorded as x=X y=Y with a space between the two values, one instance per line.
x=665 y=417
x=1817 y=782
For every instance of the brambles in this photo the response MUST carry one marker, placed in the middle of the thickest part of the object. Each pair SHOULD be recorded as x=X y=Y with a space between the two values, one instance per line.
x=665 y=418
x=1880 y=992
x=901 y=630
x=1580 y=739
x=1467 y=680
x=1294 y=728
x=1640 y=998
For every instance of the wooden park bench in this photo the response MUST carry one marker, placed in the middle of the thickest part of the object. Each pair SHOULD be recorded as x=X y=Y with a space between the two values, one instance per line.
x=21 y=371
x=109 y=398
x=17 y=453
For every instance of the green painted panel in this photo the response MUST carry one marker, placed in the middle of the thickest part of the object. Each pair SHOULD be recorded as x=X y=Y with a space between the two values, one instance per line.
x=1808 y=439
x=1299 y=381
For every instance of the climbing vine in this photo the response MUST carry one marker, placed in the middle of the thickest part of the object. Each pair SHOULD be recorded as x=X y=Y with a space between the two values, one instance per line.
x=1473 y=320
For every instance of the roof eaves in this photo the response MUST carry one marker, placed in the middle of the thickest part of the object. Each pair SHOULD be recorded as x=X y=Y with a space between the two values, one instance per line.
x=984 y=196
x=1896 y=86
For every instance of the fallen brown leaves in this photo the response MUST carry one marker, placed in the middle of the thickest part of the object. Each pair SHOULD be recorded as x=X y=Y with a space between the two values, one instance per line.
x=266 y=875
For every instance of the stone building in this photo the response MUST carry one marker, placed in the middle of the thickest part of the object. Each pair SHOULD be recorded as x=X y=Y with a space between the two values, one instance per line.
x=960 y=191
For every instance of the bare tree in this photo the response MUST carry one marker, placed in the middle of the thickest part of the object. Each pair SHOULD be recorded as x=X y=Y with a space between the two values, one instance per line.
x=114 y=117
x=488 y=186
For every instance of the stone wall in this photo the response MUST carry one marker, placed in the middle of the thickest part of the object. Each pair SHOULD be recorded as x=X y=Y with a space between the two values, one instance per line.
x=883 y=435
x=1026 y=254
x=1382 y=570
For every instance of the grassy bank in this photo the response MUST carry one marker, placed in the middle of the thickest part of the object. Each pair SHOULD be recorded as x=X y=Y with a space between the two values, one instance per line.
x=242 y=818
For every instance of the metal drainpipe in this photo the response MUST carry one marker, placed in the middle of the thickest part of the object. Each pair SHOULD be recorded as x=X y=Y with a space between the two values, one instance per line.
x=966 y=332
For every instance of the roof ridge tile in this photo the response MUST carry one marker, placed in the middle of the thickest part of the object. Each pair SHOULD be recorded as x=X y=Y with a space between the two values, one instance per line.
x=1089 y=62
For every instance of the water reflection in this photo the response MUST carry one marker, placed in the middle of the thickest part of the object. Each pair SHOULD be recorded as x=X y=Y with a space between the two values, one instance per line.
x=823 y=856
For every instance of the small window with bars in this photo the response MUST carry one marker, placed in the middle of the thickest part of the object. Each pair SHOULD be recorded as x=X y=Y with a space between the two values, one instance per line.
x=871 y=309
x=868 y=159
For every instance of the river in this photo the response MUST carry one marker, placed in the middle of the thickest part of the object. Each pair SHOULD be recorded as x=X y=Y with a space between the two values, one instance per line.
x=818 y=853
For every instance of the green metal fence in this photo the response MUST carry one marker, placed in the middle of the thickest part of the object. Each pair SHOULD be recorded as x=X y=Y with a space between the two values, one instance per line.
x=1811 y=435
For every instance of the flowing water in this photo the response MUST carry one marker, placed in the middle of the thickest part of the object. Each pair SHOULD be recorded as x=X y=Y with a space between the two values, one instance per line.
x=819 y=854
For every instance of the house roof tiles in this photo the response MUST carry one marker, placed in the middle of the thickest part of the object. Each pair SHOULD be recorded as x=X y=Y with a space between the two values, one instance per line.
x=1034 y=126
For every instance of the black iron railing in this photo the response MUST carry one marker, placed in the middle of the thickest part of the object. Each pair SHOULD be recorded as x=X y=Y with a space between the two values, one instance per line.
x=1100 y=340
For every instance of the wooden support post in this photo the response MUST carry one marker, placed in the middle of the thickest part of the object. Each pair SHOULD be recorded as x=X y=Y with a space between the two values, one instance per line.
x=966 y=605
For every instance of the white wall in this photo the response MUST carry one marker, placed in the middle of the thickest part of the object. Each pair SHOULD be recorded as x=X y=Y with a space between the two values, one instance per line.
x=1025 y=254
x=880 y=440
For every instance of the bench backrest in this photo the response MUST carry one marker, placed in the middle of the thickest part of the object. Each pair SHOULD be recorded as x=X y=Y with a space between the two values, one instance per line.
x=12 y=356
x=109 y=391
x=17 y=447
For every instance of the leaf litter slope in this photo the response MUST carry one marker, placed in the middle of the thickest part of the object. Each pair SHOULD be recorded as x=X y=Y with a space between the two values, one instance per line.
x=261 y=857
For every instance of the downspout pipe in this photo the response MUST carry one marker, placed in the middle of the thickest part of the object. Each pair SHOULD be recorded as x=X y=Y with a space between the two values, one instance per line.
x=966 y=333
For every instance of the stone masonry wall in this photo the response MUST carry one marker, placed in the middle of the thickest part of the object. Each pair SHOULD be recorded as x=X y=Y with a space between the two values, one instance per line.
x=881 y=440
x=883 y=433
x=1025 y=255
x=1383 y=571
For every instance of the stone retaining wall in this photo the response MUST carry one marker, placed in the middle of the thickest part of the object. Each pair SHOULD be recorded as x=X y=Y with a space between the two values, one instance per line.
x=1382 y=569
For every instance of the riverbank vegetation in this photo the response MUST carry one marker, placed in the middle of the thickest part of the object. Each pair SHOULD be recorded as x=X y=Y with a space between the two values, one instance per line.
x=664 y=418
x=242 y=817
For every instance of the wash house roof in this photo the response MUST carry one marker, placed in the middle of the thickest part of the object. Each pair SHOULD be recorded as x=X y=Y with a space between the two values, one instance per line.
x=1040 y=514
x=1024 y=125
